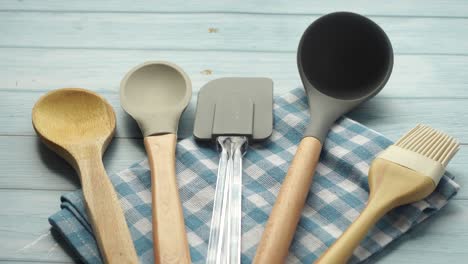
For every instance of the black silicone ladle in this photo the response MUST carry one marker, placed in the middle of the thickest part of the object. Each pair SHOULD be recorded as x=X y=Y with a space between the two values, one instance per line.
x=343 y=59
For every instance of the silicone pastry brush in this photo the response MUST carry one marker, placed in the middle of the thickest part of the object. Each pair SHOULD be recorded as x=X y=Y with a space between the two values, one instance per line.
x=405 y=172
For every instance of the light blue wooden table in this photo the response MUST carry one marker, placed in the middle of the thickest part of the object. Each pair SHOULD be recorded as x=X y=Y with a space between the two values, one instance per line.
x=91 y=44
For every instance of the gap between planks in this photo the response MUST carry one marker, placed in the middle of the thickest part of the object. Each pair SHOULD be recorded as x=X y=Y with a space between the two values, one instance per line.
x=220 y=12
x=165 y=49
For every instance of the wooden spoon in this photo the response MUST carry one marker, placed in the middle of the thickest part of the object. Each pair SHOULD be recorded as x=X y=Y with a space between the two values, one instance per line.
x=78 y=125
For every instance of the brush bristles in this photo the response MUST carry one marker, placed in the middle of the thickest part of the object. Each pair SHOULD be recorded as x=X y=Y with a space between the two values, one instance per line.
x=430 y=143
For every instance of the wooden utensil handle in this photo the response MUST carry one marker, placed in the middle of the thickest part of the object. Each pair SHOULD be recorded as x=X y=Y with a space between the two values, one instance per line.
x=281 y=225
x=169 y=237
x=104 y=210
x=343 y=248
x=391 y=185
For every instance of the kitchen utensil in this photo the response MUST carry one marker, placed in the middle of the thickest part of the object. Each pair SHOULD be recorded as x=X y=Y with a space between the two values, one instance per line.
x=404 y=173
x=78 y=125
x=343 y=60
x=155 y=94
x=233 y=112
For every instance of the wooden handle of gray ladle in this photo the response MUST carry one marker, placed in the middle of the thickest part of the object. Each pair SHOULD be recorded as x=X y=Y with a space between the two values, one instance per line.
x=169 y=237
x=281 y=226
x=104 y=211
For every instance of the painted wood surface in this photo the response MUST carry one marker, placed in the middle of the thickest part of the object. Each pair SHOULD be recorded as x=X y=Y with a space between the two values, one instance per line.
x=449 y=8
x=213 y=31
x=92 y=44
x=442 y=237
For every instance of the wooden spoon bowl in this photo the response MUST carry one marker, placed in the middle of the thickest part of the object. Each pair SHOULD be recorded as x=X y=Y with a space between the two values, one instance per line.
x=78 y=125
x=71 y=118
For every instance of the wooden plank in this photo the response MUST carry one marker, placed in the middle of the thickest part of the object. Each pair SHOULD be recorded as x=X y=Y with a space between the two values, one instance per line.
x=18 y=106
x=433 y=76
x=390 y=116
x=401 y=7
x=24 y=232
x=27 y=164
x=395 y=116
x=247 y=32
x=434 y=241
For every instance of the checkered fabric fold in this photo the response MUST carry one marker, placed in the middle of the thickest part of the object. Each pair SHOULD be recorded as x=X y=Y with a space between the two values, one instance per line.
x=338 y=194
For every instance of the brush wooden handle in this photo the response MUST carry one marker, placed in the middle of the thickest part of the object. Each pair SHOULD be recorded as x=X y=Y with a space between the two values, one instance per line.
x=284 y=217
x=391 y=185
x=343 y=248
x=103 y=207
x=169 y=237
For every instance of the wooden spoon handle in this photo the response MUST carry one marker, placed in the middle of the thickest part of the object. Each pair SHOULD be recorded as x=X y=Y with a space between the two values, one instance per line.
x=104 y=210
x=170 y=239
x=281 y=225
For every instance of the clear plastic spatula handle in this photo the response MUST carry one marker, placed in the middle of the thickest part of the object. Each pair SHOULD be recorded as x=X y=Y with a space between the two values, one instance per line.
x=224 y=244
x=236 y=202
x=216 y=228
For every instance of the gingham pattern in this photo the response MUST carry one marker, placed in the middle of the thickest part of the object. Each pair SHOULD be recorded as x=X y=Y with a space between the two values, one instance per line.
x=337 y=196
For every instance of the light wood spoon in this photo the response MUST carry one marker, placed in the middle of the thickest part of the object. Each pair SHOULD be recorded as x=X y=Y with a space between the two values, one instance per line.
x=78 y=125
x=155 y=94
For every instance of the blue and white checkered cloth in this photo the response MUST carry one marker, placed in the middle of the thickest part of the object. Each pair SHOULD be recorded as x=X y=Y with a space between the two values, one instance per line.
x=338 y=194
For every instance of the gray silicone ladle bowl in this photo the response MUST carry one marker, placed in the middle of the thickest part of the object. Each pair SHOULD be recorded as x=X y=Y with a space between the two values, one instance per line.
x=343 y=60
x=155 y=94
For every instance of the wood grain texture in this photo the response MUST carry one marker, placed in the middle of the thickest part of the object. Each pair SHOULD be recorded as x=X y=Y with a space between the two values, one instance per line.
x=391 y=185
x=169 y=236
x=104 y=211
x=420 y=76
x=399 y=8
x=27 y=164
x=389 y=116
x=227 y=38
x=234 y=32
x=23 y=222
x=24 y=232
x=284 y=217
x=58 y=118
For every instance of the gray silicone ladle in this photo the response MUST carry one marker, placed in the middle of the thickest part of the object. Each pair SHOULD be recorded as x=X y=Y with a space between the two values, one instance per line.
x=155 y=94
x=343 y=59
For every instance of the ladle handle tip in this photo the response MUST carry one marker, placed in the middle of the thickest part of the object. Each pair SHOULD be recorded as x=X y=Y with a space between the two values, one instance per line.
x=169 y=236
x=284 y=217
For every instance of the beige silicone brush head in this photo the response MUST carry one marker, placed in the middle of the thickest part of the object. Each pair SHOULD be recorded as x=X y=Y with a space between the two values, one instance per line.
x=405 y=172
x=424 y=150
x=431 y=143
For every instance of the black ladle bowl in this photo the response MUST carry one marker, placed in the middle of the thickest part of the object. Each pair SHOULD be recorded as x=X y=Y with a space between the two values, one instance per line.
x=343 y=59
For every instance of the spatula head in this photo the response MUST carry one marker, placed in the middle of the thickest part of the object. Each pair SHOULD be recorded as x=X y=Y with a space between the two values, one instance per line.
x=235 y=107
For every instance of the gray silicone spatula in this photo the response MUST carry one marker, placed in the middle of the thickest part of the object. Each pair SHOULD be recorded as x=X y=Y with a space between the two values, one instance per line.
x=155 y=94
x=233 y=112
x=343 y=59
